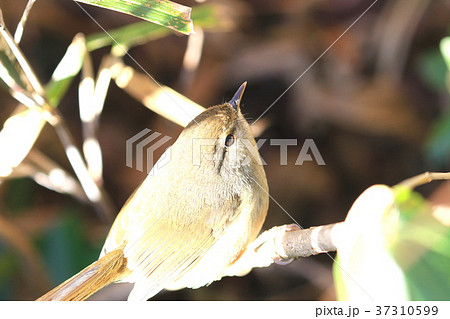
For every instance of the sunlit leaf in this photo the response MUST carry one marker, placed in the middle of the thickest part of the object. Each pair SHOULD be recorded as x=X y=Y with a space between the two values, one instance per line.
x=21 y=130
x=163 y=12
x=445 y=50
x=11 y=69
x=421 y=247
x=17 y=137
x=67 y=69
x=158 y=98
x=338 y=277
x=14 y=77
x=366 y=270
x=141 y=32
x=394 y=249
x=46 y=173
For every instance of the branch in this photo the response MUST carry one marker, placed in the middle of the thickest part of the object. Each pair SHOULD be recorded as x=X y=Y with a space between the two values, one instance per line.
x=308 y=242
x=282 y=244
x=424 y=178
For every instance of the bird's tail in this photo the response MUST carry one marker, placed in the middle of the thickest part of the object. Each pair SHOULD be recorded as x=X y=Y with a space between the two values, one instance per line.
x=109 y=268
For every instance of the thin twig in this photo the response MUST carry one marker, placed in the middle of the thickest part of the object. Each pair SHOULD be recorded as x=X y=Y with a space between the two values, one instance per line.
x=22 y=61
x=285 y=243
x=23 y=20
x=49 y=174
x=89 y=114
x=95 y=194
x=424 y=178
x=93 y=191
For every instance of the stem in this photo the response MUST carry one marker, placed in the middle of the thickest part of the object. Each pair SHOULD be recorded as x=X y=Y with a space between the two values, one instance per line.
x=424 y=178
x=23 y=20
x=95 y=194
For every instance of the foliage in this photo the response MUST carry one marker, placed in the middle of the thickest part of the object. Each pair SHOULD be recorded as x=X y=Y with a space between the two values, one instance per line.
x=437 y=149
x=399 y=249
x=163 y=12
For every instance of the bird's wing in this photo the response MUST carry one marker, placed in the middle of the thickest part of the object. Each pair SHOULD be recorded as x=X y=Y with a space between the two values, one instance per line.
x=161 y=247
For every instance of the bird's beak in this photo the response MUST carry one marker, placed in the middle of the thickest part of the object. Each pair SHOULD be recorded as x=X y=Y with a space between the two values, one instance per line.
x=236 y=100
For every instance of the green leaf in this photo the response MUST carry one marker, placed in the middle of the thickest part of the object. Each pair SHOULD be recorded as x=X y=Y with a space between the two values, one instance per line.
x=163 y=12
x=445 y=50
x=18 y=136
x=396 y=250
x=21 y=130
x=12 y=73
x=67 y=69
x=338 y=276
x=366 y=271
x=205 y=16
x=12 y=69
x=127 y=36
x=421 y=248
x=432 y=69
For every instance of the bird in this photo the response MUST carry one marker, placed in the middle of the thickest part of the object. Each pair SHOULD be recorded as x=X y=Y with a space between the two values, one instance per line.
x=192 y=217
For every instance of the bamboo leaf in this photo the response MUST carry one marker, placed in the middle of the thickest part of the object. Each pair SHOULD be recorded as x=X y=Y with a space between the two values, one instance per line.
x=158 y=98
x=396 y=249
x=22 y=129
x=17 y=137
x=420 y=245
x=366 y=271
x=205 y=16
x=163 y=12
x=67 y=69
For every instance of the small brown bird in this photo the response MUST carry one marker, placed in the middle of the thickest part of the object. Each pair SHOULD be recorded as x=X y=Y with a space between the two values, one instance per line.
x=191 y=219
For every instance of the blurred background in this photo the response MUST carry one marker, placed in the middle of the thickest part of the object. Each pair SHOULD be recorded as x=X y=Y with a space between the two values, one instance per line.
x=376 y=105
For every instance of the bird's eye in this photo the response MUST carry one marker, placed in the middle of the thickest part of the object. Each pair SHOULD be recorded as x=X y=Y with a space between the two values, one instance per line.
x=229 y=140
